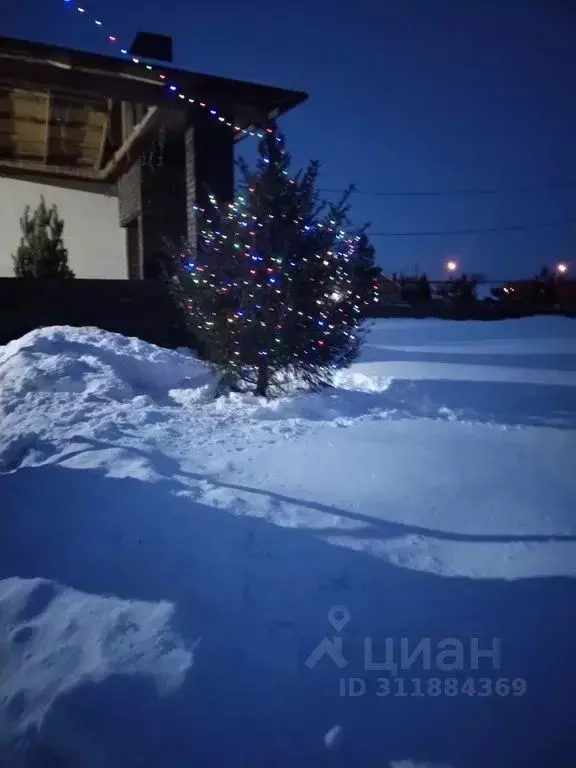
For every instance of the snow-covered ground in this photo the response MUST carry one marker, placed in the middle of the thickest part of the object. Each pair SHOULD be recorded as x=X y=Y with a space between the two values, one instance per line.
x=170 y=564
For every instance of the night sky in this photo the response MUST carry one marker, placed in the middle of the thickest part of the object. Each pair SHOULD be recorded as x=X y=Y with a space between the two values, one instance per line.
x=405 y=95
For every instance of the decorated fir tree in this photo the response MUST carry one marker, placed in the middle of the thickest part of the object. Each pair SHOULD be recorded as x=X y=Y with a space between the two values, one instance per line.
x=269 y=289
x=41 y=252
x=367 y=274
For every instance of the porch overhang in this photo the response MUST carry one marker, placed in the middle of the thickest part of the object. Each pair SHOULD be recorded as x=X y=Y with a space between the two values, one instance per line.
x=72 y=115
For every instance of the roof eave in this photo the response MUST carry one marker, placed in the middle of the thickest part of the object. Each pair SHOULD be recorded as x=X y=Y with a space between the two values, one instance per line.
x=37 y=63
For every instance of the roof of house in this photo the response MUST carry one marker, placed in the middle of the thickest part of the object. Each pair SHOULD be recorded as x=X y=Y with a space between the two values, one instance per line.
x=66 y=113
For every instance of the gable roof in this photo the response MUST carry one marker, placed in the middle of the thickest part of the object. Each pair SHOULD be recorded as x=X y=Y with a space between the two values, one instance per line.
x=63 y=112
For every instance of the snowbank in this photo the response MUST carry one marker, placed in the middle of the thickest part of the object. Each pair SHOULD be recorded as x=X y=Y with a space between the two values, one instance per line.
x=95 y=363
x=60 y=638
x=169 y=563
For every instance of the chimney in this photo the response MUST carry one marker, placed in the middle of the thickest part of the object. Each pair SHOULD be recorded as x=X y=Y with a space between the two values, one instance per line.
x=148 y=45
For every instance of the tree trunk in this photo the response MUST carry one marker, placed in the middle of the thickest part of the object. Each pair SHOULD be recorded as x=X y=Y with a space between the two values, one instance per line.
x=262 y=380
x=225 y=385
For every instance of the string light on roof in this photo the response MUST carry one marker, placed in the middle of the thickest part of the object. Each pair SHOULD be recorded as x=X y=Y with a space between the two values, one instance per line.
x=212 y=111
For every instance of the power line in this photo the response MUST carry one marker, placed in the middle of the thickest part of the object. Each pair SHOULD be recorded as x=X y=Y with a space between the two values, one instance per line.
x=455 y=192
x=512 y=228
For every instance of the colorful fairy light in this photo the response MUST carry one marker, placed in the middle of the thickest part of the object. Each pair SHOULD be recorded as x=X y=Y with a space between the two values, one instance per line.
x=212 y=241
x=174 y=88
x=239 y=233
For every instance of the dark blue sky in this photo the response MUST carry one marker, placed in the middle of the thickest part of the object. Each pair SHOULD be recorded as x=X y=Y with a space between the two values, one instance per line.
x=405 y=95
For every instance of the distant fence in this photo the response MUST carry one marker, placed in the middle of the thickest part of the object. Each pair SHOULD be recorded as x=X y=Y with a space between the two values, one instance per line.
x=491 y=300
x=141 y=308
x=475 y=310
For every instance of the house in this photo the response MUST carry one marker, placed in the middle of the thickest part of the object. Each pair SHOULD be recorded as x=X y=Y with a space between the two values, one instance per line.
x=125 y=151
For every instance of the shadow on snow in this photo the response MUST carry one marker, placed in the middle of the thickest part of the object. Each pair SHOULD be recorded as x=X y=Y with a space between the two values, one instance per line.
x=259 y=596
x=493 y=402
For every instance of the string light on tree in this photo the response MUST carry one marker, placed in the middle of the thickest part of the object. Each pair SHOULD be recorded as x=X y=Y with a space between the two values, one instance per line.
x=367 y=274
x=324 y=333
x=174 y=88
x=271 y=289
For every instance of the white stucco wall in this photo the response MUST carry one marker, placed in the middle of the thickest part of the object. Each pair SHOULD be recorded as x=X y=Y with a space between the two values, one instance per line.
x=95 y=240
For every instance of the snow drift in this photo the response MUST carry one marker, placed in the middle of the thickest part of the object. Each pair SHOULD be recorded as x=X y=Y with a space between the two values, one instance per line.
x=169 y=562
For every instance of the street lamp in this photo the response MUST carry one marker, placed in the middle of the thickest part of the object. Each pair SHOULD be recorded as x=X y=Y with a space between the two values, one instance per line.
x=561 y=268
x=451 y=265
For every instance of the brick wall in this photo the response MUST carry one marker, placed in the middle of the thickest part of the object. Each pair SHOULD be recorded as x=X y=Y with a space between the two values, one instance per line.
x=163 y=204
x=209 y=167
x=158 y=193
